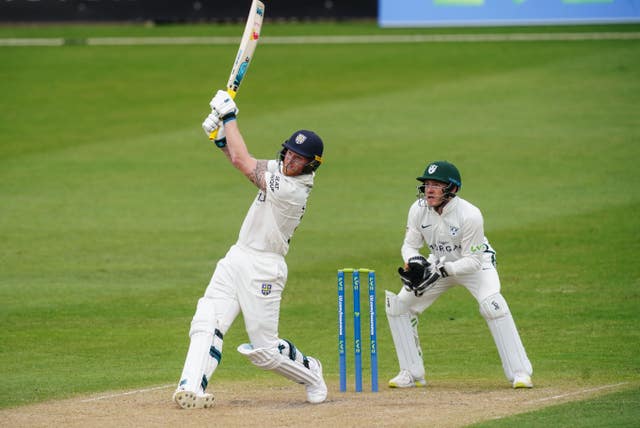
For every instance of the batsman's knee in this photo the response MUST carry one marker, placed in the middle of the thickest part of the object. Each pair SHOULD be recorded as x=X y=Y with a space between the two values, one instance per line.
x=265 y=358
x=204 y=320
x=271 y=357
x=494 y=307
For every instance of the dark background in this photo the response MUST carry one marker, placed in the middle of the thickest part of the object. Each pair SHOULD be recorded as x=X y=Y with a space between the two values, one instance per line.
x=176 y=11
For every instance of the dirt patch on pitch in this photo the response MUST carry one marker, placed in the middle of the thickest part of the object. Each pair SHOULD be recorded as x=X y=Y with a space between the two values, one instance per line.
x=245 y=404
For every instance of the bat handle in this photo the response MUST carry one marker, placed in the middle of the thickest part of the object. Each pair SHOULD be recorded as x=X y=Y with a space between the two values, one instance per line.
x=214 y=133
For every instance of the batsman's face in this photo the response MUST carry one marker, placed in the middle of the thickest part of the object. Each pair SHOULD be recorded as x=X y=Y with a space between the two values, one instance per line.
x=293 y=163
x=434 y=192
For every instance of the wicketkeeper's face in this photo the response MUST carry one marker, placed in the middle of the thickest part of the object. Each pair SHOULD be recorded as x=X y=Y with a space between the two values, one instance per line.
x=434 y=192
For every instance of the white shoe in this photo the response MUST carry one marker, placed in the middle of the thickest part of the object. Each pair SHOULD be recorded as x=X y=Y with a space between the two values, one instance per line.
x=191 y=400
x=405 y=380
x=316 y=392
x=522 y=380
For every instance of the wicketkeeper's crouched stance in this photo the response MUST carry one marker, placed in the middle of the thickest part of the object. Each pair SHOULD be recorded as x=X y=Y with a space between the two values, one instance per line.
x=252 y=275
x=453 y=230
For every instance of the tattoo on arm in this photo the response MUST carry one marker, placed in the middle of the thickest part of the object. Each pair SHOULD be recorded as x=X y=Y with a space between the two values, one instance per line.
x=257 y=175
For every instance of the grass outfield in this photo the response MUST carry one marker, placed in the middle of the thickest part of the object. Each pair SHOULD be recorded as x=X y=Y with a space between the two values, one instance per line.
x=115 y=206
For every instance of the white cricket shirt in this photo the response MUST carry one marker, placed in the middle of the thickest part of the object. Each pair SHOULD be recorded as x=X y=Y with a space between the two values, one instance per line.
x=457 y=235
x=276 y=211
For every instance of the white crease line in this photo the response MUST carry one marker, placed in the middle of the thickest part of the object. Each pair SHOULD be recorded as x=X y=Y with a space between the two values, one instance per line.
x=132 y=41
x=32 y=42
x=336 y=40
x=364 y=39
x=583 y=391
x=104 y=397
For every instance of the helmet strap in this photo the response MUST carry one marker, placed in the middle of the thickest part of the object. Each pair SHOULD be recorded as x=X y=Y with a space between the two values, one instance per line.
x=448 y=191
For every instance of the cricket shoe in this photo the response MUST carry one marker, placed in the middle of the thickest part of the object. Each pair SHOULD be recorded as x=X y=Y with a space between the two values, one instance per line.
x=190 y=400
x=522 y=380
x=317 y=391
x=405 y=380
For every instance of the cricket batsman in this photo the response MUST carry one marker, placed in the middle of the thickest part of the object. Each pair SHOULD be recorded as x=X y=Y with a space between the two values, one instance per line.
x=452 y=230
x=252 y=275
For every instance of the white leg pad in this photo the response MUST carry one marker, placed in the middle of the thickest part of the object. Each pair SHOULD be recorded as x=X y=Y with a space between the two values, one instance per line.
x=404 y=330
x=272 y=359
x=205 y=349
x=495 y=311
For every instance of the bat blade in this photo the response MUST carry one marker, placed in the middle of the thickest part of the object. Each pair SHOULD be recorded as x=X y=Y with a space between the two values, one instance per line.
x=246 y=50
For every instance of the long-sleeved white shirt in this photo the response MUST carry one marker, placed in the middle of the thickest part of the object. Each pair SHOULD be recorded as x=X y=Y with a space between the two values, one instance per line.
x=457 y=235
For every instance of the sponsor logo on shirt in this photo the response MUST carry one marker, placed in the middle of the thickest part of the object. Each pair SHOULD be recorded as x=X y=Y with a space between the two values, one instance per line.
x=274 y=183
x=444 y=247
x=480 y=247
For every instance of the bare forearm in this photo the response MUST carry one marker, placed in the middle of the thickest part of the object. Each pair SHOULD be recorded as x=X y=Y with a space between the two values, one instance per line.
x=239 y=156
x=235 y=143
x=225 y=150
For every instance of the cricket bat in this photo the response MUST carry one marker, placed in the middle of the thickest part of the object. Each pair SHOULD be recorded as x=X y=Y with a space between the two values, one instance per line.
x=247 y=47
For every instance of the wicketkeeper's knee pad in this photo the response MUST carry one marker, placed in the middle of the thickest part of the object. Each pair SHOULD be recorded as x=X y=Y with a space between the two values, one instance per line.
x=495 y=311
x=393 y=306
x=494 y=307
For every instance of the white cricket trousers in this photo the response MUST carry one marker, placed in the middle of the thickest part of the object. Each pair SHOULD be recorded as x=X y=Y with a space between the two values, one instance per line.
x=252 y=282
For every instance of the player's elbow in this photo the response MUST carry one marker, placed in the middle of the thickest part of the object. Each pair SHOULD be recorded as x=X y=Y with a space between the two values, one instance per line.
x=239 y=164
x=242 y=163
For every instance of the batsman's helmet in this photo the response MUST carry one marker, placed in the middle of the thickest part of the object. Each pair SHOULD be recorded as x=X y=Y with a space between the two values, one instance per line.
x=307 y=144
x=444 y=172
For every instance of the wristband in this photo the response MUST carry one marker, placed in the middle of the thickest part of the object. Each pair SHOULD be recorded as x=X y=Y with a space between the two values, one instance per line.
x=221 y=143
x=229 y=118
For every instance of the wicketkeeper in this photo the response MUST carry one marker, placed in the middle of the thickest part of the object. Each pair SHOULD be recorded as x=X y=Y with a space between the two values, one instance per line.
x=452 y=229
x=252 y=275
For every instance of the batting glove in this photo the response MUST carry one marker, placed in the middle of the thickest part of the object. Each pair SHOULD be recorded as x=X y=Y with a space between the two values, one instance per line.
x=211 y=123
x=221 y=138
x=224 y=105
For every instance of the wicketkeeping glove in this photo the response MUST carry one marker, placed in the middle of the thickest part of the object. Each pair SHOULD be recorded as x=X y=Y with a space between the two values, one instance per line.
x=436 y=272
x=414 y=274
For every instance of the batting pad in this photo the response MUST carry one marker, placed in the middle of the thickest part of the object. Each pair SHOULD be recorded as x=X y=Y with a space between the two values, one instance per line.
x=193 y=374
x=404 y=330
x=271 y=359
x=514 y=358
x=205 y=349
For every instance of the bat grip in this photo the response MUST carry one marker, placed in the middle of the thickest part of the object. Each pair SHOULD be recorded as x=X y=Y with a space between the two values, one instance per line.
x=214 y=133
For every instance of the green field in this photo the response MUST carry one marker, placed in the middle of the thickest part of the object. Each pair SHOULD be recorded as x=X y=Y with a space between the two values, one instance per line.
x=115 y=206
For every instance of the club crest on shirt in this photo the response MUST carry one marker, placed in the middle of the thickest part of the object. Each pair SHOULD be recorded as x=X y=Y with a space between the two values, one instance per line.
x=453 y=230
x=266 y=289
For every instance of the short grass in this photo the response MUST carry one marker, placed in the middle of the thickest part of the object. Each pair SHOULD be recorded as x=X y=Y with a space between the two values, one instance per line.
x=621 y=409
x=115 y=207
